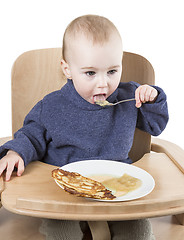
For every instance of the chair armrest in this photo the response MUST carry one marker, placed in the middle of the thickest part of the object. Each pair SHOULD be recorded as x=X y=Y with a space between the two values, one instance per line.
x=173 y=151
x=2 y=141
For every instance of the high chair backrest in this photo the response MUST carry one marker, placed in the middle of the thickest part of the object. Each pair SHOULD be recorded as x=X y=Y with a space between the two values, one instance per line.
x=38 y=72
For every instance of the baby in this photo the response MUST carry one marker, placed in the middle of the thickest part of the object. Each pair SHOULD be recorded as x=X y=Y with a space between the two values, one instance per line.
x=67 y=126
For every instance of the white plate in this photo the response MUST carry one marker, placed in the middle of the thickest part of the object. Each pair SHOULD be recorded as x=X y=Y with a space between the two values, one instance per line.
x=108 y=167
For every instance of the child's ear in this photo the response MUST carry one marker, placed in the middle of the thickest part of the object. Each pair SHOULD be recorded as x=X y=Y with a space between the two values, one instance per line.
x=66 y=69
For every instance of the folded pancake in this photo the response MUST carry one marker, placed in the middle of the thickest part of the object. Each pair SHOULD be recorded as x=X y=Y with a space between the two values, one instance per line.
x=79 y=185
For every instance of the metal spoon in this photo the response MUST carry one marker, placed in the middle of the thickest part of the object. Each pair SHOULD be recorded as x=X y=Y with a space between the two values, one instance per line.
x=106 y=103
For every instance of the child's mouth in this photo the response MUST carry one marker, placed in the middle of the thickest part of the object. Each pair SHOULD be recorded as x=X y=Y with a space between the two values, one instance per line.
x=99 y=98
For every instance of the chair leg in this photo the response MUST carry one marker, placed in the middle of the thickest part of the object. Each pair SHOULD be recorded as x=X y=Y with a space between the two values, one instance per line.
x=99 y=230
x=180 y=218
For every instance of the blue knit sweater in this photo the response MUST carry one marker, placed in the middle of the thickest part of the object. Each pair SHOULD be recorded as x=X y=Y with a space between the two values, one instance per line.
x=64 y=128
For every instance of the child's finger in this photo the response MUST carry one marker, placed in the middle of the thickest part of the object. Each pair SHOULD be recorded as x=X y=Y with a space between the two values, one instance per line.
x=147 y=94
x=3 y=165
x=20 y=168
x=153 y=94
x=142 y=94
x=137 y=98
x=137 y=94
x=10 y=167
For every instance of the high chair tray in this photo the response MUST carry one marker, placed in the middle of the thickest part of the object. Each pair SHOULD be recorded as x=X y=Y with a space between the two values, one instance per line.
x=36 y=194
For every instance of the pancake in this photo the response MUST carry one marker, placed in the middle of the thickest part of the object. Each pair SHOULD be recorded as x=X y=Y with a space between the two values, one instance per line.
x=81 y=186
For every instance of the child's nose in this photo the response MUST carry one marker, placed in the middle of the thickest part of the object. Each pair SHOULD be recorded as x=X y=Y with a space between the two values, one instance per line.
x=102 y=82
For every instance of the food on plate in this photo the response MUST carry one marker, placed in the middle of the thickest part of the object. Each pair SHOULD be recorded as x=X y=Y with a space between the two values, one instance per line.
x=79 y=185
x=123 y=184
x=119 y=185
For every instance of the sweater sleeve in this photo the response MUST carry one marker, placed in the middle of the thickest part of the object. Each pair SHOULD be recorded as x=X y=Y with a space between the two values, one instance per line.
x=29 y=141
x=153 y=117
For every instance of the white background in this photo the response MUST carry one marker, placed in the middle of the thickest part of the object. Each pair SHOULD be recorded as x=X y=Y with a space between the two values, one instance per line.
x=152 y=28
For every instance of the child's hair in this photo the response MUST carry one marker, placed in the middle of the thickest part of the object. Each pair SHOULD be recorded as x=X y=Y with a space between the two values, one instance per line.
x=94 y=27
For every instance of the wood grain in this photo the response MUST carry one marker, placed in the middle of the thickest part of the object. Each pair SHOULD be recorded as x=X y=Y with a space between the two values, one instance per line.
x=173 y=151
x=36 y=194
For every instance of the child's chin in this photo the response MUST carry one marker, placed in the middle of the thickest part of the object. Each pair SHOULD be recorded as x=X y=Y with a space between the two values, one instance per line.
x=90 y=101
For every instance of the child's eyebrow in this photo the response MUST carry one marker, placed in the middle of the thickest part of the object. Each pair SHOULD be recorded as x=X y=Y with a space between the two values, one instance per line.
x=116 y=66
x=88 y=68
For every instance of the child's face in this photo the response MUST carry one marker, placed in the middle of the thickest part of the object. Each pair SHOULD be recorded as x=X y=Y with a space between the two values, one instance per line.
x=94 y=69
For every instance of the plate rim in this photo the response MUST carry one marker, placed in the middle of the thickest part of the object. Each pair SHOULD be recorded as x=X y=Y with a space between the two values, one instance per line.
x=118 y=199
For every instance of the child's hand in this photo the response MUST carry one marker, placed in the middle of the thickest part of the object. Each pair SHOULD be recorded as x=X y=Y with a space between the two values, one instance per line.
x=145 y=93
x=8 y=162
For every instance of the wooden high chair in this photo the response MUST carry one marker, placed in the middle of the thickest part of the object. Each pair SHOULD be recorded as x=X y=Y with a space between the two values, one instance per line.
x=37 y=73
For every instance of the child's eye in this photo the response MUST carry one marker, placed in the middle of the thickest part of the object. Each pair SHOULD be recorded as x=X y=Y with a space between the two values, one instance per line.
x=90 y=73
x=111 y=72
